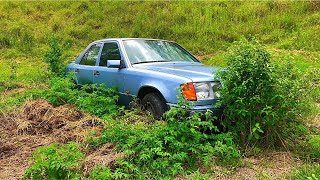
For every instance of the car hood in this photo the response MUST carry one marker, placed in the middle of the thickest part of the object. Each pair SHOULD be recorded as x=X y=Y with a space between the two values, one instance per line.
x=197 y=72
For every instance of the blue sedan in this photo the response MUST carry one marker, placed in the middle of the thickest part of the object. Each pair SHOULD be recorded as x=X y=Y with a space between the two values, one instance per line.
x=154 y=71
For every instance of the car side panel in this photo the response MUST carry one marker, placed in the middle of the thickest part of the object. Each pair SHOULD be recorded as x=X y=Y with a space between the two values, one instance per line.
x=167 y=84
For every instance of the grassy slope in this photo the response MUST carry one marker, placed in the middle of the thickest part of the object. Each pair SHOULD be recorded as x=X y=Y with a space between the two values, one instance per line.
x=202 y=27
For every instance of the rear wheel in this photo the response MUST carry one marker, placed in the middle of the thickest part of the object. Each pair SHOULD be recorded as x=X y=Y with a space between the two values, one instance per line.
x=154 y=104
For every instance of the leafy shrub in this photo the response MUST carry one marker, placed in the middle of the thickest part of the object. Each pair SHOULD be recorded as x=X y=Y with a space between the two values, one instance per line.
x=101 y=172
x=309 y=171
x=93 y=99
x=164 y=149
x=263 y=99
x=314 y=147
x=99 y=101
x=61 y=91
x=55 y=162
x=54 y=57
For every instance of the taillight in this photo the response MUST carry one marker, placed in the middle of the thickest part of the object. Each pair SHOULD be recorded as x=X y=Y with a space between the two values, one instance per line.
x=188 y=91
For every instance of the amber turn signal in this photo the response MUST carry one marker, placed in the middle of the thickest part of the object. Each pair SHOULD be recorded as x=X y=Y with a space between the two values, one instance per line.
x=188 y=91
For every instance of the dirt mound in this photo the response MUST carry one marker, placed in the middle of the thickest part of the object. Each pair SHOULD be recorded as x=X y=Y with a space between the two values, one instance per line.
x=38 y=123
x=40 y=117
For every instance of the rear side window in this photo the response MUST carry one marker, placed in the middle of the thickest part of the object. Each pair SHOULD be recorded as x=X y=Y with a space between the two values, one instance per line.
x=110 y=51
x=91 y=55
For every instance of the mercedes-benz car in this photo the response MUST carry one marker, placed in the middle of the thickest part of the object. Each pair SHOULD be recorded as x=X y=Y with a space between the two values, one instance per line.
x=155 y=71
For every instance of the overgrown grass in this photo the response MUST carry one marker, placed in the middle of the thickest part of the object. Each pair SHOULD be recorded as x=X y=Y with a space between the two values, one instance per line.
x=209 y=27
x=288 y=29
x=307 y=171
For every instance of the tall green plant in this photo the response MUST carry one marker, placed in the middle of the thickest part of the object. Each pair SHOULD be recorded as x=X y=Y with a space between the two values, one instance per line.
x=54 y=57
x=264 y=101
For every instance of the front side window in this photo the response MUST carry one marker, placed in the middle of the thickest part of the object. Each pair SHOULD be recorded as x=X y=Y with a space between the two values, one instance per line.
x=90 y=57
x=110 y=51
x=144 y=51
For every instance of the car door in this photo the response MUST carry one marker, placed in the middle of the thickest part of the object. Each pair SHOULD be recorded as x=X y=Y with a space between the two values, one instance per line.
x=110 y=77
x=84 y=70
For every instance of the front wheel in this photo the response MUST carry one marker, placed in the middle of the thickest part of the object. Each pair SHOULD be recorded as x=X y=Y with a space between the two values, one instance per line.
x=154 y=104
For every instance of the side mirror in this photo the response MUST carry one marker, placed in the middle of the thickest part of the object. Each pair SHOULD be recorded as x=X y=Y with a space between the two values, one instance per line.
x=114 y=63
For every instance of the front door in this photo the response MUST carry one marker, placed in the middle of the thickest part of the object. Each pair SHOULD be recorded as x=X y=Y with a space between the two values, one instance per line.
x=110 y=77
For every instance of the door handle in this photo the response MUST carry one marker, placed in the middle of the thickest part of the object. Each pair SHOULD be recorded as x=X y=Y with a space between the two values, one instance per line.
x=96 y=73
x=76 y=71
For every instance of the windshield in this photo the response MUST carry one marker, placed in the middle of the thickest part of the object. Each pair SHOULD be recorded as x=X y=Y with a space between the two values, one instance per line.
x=146 y=51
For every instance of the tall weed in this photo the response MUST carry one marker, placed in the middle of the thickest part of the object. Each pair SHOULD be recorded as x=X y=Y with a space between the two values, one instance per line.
x=54 y=57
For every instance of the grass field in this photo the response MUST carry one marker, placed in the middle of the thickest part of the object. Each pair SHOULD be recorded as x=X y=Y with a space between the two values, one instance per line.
x=204 y=28
x=290 y=30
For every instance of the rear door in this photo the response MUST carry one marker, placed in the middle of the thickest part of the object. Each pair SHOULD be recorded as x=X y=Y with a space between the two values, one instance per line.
x=85 y=69
x=111 y=77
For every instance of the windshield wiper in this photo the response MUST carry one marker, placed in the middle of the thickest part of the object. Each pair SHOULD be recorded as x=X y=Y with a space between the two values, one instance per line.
x=149 y=62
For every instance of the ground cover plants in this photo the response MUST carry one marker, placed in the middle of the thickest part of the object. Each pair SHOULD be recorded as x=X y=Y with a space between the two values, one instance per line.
x=52 y=129
x=165 y=149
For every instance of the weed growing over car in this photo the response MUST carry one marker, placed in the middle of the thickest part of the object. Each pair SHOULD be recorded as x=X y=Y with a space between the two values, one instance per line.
x=265 y=102
x=94 y=99
x=165 y=149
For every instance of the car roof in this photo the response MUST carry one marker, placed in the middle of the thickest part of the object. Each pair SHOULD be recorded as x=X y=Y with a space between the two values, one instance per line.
x=122 y=39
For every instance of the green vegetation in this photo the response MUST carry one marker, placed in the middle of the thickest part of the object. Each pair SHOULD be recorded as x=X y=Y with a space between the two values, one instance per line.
x=270 y=91
x=310 y=172
x=93 y=99
x=53 y=57
x=55 y=162
x=165 y=149
x=261 y=97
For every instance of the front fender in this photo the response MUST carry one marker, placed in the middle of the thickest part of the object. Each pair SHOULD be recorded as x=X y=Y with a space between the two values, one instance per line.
x=167 y=84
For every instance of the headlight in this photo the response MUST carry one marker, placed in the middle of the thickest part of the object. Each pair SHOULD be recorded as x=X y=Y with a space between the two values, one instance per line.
x=201 y=91
x=207 y=90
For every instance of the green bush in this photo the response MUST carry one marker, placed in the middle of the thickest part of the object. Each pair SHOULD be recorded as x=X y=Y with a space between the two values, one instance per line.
x=98 y=100
x=263 y=99
x=55 y=162
x=93 y=99
x=54 y=57
x=101 y=172
x=165 y=149
x=314 y=147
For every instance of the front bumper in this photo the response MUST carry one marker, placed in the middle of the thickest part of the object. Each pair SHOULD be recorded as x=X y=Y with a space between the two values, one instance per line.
x=218 y=112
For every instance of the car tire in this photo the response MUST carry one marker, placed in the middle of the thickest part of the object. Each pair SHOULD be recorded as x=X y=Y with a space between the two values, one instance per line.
x=155 y=104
